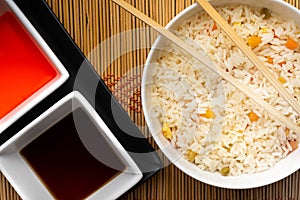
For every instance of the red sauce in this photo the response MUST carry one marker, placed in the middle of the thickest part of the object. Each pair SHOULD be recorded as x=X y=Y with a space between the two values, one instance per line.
x=24 y=69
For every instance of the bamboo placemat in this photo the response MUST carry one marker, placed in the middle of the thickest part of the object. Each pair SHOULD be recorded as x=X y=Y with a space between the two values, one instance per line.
x=95 y=25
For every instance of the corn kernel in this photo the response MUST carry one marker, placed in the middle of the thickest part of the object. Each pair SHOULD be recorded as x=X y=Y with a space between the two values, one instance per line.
x=264 y=30
x=236 y=24
x=178 y=61
x=281 y=80
x=287 y=132
x=166 y=130
x=191 y=155
x=209 y=114
x=228 y=149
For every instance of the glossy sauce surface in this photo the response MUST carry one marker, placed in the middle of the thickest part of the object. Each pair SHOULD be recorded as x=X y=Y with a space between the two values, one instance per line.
x=63 y=163
x=24 y=69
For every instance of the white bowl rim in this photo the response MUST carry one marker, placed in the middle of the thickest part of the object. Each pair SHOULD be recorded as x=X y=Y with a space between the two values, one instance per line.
x=271 y=175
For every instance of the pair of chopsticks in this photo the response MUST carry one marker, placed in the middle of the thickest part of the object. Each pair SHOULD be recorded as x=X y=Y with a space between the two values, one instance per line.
x=250 y=54
x=202 y=58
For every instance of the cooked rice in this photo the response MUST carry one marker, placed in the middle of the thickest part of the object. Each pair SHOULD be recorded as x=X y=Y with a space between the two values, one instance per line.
x=184 y=90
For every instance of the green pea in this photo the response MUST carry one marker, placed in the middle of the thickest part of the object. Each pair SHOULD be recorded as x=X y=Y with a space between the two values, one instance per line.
x=225 y=171
x=266 y=12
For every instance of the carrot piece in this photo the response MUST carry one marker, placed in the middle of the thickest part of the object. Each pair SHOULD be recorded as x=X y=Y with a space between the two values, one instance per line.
x=282 y=63
x=253 y=116
x=269 y=59
x=214 y=26
x=294 y=145
x=291 y=44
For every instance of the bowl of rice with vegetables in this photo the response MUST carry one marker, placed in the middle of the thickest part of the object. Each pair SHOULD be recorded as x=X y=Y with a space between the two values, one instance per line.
x=204 y=125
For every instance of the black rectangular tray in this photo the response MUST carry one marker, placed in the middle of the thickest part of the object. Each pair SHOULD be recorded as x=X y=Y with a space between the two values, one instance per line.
x=83 y=78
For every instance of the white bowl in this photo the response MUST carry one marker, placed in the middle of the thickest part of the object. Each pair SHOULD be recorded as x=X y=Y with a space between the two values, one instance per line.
x=281 y=170
x=29 y=186
x=49 y=87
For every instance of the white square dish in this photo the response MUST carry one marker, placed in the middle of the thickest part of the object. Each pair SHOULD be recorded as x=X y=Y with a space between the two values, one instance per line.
x=29 y=68
x=102 y=145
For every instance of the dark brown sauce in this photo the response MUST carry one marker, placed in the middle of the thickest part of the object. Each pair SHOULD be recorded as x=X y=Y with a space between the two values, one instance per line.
x=64 y=165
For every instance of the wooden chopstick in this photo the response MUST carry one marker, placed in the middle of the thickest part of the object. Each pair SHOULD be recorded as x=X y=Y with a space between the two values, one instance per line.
x=202 y=58
x=249 y=53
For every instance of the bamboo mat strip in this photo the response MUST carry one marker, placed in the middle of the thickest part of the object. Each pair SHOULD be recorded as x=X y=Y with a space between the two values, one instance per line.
x=90 y=23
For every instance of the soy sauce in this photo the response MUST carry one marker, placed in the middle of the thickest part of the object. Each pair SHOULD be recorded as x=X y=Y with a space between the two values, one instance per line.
x=63 y=163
